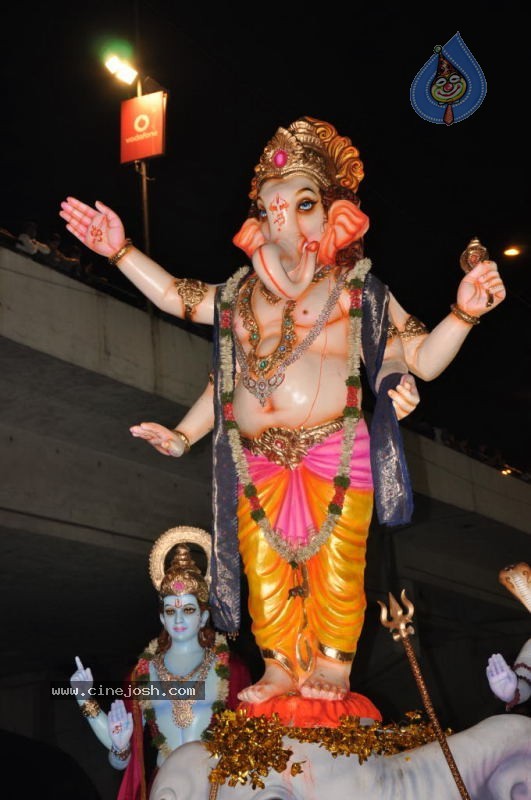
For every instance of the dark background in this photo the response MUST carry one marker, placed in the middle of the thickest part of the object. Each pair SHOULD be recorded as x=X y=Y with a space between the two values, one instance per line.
x=233 y=77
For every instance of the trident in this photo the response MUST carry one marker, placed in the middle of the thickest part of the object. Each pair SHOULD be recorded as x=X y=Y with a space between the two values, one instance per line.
x=399 y=626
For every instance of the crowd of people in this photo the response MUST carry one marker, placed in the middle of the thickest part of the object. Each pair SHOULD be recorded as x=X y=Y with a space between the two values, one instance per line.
x=76 y=262
x=67 y=258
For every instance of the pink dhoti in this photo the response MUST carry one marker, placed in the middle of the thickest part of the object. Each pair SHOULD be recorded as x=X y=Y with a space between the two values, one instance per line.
x=315 y=605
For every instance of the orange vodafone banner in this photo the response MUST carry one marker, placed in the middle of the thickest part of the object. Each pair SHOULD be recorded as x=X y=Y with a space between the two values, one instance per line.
x=142 y=127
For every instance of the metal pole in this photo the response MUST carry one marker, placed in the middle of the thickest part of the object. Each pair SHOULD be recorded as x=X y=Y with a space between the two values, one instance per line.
x=141 y=168
x=399 y=625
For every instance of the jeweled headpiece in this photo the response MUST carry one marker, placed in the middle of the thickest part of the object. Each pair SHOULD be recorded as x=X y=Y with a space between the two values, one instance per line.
x=183 y=576
x=309 y=147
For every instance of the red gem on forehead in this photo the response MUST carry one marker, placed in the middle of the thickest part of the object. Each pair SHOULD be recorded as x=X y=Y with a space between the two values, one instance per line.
x=178 y=586
x=280 y=158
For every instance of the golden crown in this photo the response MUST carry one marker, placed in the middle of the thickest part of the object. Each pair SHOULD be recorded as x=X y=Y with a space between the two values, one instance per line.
x=183 y=576
x=311 y=147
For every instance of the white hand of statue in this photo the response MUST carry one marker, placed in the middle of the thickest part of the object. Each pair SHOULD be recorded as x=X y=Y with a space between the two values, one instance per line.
x=120 y=724
x=405 y=397
x=81 y=681
x=480 y=286
x=502 y=680
x=98 y=228
x=162 y=439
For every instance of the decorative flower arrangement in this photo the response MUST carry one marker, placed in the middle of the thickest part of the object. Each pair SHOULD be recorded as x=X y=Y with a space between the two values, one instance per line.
x=351 y=414
x=237 y=741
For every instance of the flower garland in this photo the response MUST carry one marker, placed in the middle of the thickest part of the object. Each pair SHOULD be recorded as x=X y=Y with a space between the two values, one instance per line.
x=351 y=414
x=219 y=705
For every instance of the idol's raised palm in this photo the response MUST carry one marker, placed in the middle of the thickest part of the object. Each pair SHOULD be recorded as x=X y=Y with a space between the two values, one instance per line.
x=100 y=228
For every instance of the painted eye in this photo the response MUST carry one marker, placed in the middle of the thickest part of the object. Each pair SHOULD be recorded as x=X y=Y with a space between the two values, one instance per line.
x=169 y=612
x=454 y=78
x=262 y=213
x=306 y=205
x=189 y=609
x=440 y=81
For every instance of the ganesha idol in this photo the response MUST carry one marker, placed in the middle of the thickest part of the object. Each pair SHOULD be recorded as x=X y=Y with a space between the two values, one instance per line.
x=295 y=471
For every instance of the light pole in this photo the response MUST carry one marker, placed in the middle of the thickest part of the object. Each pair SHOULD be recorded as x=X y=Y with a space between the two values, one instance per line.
x=141 y=168
x=144 y=137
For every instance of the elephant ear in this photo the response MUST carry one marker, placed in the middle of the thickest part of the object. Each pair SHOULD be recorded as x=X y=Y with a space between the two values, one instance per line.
x=345 y=224
x=250 y=237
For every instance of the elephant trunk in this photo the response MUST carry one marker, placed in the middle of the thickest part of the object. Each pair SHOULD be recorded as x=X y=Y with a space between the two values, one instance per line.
x=267 y=262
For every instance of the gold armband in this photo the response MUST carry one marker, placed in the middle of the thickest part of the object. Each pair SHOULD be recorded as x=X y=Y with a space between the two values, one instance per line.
x=114 y=259
x=413 y=328
x=90 y=708
x=462 y=315
x=192 y=292
x=184 y=439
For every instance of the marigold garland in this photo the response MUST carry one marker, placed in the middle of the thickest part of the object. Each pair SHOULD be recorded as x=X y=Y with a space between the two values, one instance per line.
x=351 y=414
x=249 y=747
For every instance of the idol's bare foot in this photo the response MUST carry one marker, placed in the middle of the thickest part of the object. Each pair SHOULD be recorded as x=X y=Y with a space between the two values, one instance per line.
x=275 y=680
x=328 y=681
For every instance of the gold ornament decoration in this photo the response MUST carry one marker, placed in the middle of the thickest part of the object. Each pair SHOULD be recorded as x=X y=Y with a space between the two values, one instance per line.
x=413 y=327
x=183 y=576
x=463 y=316
x=289 y=446
x=90 y=708
x=248 y=748
x=309 y=147
x=114 y=259
x=184 y=439
x=472 y=255
x=192 y=292
x=181 y=712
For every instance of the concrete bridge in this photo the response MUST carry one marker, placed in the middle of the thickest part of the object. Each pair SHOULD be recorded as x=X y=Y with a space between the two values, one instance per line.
x=81 y=501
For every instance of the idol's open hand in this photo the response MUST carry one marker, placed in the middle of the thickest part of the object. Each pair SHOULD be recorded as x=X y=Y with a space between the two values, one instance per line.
x=120 y=724
x=481 y=289
x=81 y=680
x=98 y=228
x=405 y=396
x=162 y=439
x=502 y=680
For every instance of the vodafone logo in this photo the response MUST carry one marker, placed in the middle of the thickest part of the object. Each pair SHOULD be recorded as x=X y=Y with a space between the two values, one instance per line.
x=141 y=123
x=142 y=127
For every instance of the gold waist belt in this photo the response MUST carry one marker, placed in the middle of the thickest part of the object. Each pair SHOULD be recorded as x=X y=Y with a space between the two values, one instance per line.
x=288 y=446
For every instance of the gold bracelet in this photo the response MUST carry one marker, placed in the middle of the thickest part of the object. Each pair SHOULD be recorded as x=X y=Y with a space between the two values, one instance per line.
x=184 y=439
x=123 y=754
x=90 y=708
x=114 y=259
x=462 y=315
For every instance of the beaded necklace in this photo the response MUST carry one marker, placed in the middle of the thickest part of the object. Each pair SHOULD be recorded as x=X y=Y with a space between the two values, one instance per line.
x=221 y=668
x=263 y=387
x=354 y=281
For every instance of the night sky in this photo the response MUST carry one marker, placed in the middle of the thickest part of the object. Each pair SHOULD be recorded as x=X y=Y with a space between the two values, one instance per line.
x=232 y=80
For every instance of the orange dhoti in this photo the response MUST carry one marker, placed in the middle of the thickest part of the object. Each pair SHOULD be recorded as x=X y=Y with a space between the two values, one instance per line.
x=315 y=606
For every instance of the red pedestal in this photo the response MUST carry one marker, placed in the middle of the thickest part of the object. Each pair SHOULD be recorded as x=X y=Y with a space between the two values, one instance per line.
x=294 y=710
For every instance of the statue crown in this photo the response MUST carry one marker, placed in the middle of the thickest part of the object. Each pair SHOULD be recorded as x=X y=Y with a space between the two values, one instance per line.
x=311 y=147
x=184 y=577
